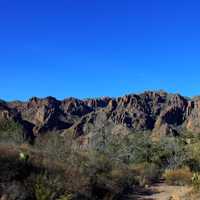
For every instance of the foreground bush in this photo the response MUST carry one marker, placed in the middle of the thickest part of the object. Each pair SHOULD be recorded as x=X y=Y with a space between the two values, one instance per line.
x=182 y=176
x=196 y=182
x=50 y=187
x=146 y=173
x=108 y=179
x=58 y=170
x=11 y=131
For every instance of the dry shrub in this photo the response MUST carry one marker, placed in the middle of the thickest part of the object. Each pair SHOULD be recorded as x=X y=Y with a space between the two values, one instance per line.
x=122 y=179
x=182 y=176
x=145 y=173
x=196 y=181
x=48 y=186
x=76 y=181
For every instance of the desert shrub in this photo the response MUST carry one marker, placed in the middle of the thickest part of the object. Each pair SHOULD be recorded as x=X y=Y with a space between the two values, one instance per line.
x=99 y=173
x=107 y=179
x=55 y=146
x=122 y=179
x=97 y=168
x=99 y=162
x=194 y=156
x=196 y=181
x=113 y=184
x=169 y=153
x=139 y=148
x=14 y=176
x=48 y=186
x=182 y=176
x=23 y=181
x=16 y=190
x=65 y=197
x=134 y=148
x=48 y=142
x=77 y=182
x=41 y=191
x=13 y=169
x=145 y=173
x=11 y=131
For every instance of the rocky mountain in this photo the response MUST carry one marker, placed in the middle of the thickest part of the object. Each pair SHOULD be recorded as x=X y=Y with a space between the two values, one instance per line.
x=158 y=113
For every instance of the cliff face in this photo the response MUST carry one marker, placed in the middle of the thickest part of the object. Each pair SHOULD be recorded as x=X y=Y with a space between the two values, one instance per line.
x=157 y=112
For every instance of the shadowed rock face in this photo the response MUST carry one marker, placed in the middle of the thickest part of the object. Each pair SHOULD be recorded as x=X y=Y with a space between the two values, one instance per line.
x=7 y=113
x=12 y=114
x=157 y=112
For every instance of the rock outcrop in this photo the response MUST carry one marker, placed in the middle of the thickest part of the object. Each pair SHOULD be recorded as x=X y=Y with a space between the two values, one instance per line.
x=159 y=113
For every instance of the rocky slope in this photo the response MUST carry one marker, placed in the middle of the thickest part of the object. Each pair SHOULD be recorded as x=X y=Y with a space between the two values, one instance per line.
x=159 y=113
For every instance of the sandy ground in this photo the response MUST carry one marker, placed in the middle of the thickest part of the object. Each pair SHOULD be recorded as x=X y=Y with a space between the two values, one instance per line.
x=161 y=191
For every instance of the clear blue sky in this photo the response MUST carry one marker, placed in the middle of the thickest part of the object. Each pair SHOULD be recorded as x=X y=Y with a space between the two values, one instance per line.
x=91 y=48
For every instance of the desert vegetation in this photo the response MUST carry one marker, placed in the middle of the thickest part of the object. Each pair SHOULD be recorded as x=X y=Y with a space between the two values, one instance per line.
x=55 y=167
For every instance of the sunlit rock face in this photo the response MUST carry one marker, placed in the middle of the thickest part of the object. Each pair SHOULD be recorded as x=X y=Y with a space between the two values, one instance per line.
x=193 y=116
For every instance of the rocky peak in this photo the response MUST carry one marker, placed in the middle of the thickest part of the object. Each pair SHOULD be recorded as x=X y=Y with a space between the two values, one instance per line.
x=98 y=103
x=75 y=107
x=157 y=112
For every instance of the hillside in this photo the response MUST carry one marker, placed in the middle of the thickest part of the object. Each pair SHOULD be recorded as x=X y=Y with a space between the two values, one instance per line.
x=141 y=146
x=159 y=113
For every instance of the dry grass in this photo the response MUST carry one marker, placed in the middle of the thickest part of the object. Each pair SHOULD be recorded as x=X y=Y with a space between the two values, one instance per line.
x=182 y=176
x=146 y=173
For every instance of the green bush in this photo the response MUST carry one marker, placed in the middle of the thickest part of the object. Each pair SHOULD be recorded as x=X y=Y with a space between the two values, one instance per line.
x=122 y=179
x=11 y=131
x=48 y=186
x=107 y=179
x=41 y=191
x=134 y=148
x=170 y=153
x=194 y=156
x=196 y=181
x=97 y=173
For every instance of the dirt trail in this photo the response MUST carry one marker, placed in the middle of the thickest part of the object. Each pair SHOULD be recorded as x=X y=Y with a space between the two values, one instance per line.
x=161 y=191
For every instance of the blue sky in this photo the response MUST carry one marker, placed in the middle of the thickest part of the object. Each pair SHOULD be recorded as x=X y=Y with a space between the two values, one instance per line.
x=95 y=48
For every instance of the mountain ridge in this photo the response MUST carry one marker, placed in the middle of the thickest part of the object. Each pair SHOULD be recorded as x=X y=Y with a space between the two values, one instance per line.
x=157 y=112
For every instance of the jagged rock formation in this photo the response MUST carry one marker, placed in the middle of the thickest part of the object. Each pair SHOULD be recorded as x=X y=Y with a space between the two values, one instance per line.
x=12 y=114
x=159 y=113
